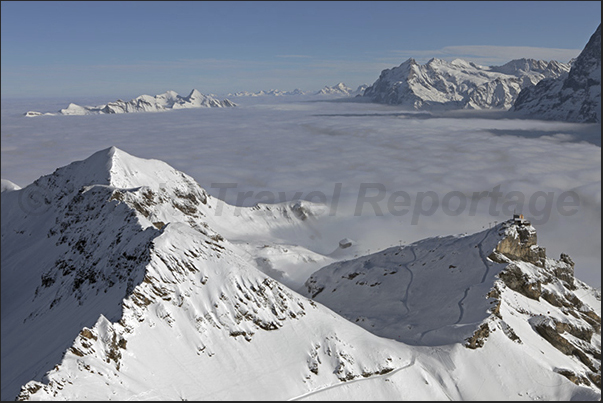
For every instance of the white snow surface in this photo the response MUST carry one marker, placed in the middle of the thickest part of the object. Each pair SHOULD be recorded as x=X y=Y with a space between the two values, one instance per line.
x=120 y=282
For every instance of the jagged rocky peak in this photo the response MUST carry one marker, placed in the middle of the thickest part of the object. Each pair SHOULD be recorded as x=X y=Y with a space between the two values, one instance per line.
x=572 y=97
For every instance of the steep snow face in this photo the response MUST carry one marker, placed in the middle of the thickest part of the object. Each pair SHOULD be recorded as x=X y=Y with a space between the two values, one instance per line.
x=462 y=289
x=145 y=103
x=459 y=84
x=120 y=281
x=572 y=97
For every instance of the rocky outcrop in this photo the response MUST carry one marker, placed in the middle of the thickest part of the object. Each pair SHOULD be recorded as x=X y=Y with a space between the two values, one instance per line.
x=569 y=325
x=520 y=244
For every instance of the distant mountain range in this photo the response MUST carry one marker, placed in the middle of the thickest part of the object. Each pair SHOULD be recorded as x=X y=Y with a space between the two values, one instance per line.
x=442 y=85
x=571 y=97
x=145 y=103
x=526 y=87
x=339 y=89
x=275 y=93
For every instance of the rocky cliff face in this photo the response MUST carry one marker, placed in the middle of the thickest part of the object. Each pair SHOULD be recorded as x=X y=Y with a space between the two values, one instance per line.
x=459 y=84
x=572 y=97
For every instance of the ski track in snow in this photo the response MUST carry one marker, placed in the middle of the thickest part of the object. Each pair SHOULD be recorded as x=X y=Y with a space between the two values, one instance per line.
x=460 y=304
x=405 y=265
x=483 y=257
x=410 y=364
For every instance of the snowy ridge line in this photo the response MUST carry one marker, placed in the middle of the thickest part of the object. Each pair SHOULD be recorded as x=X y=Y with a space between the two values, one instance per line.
x=144 y=103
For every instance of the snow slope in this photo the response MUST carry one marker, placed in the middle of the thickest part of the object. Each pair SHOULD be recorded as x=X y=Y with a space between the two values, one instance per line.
x=459 y=84
x=572 y=97
x=120 y=280
x=144 y=103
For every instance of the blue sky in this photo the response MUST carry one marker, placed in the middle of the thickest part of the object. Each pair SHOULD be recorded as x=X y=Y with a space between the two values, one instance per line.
x=124 y=49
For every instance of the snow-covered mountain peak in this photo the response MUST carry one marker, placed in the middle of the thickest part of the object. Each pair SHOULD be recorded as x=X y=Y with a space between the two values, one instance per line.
x=459 y=84
x=119 y=260
x=195 y=94
x=111 y=167
x=128 y=171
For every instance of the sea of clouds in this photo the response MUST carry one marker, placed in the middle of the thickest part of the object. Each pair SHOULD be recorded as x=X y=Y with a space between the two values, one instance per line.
x=388 y=176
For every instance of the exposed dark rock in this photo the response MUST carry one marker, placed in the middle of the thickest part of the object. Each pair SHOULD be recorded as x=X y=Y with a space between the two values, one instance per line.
x=518 y=281
x=479 y=337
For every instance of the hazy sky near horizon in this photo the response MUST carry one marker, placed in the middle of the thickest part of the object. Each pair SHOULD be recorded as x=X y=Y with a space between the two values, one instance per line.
x=124 y=49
